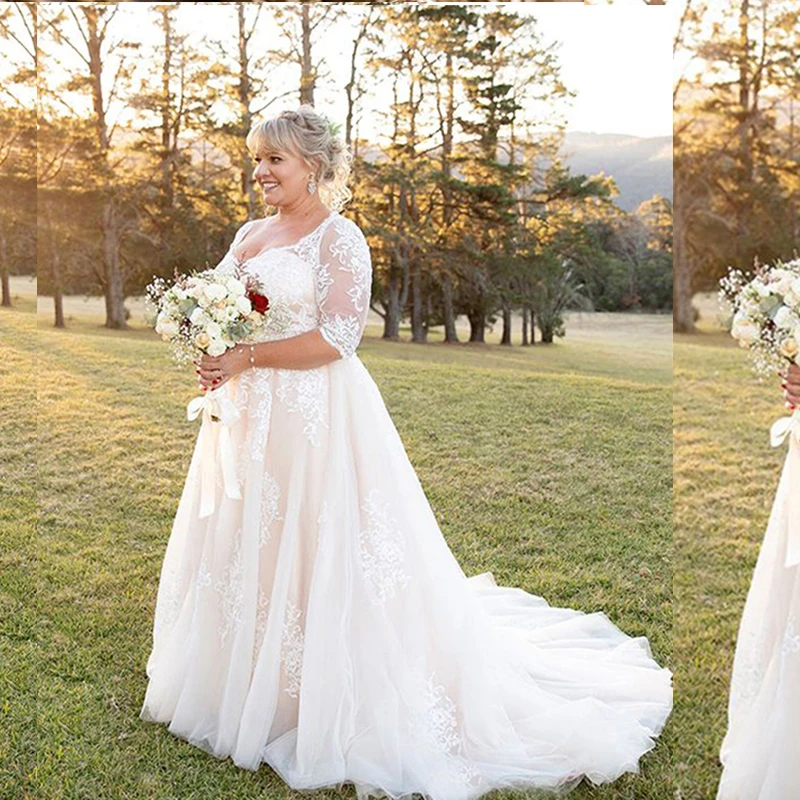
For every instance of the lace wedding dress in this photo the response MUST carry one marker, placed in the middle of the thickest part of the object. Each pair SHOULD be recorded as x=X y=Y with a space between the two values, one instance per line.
x=319 y=622
x=760 y=749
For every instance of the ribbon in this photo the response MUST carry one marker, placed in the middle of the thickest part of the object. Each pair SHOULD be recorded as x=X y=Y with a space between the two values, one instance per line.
x=215 y=408
x=783 y=429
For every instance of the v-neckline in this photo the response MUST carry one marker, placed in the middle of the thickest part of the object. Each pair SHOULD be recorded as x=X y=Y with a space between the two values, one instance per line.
x=265 y=250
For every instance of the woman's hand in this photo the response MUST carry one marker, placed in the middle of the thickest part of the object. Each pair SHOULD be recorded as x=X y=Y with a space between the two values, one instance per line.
x=213 y=371
x=791 y=386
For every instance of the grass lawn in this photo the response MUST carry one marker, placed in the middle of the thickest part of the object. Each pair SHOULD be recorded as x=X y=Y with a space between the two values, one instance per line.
x=726 y=475
x=549 y=466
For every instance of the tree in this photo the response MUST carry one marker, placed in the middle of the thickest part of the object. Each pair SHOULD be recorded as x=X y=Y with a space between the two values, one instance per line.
x=17 y=141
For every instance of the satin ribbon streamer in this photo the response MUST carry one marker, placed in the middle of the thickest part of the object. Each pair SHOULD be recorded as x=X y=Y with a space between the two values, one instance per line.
x=783 y=429
x=215 y=408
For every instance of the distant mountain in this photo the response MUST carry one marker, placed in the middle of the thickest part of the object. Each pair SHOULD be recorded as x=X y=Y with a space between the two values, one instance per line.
x=640 y=166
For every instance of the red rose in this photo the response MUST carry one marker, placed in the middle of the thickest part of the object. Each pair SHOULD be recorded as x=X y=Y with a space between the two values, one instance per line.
x=260 y=303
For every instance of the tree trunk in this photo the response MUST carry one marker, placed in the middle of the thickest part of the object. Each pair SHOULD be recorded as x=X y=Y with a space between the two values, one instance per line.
x=682 y=311
x=58 y=306
x=524 y=325
x=477 y=323
x=6 y=281
x=418 y=331
x=307 y=78
x=533 y=324
x=391 y=322
x=506 y=338
x=114 y=289
x=450 y=333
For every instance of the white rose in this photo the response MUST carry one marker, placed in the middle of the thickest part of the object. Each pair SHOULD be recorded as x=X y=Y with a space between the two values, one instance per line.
x=244 y=305
x=745 y=330
x=789 y=348
x=214 y=330
x=167 y=328
x=792 y=295
x=785 y=318
x=235 y=288
x=216 y=348
x=198 y=317
x=215 y=292
x=202 y=340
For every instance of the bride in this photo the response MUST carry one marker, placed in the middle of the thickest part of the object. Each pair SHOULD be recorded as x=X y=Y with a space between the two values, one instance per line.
x=319 y=622
x=759 y=752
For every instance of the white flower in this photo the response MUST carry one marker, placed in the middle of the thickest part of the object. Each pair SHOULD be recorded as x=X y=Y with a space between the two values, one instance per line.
x=167 y=328
x=785 y=318
x=214 y=330
x=216 y=348
x=745 y=330
x=235 y=288
x=789 y=348
x=214 y=292
x=244 y=305
x=202 y=340
x=256 y=319
x=199 y=317
x=792 y=296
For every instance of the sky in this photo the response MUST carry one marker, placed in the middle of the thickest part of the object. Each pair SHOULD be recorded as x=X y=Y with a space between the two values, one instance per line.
x=617 y=58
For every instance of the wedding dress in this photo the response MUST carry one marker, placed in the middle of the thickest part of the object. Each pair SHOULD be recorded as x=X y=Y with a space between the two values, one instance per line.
x=760 y=749
x=319 y=622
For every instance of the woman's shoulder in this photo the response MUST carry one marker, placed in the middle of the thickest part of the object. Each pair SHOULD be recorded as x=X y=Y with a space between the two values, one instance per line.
x=341 y=226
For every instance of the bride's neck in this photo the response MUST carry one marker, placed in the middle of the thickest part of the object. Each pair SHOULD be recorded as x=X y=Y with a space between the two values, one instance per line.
x=302 y=211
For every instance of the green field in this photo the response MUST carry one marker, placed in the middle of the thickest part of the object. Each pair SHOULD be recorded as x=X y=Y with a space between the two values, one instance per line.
x=549 y=466
x=726 y=475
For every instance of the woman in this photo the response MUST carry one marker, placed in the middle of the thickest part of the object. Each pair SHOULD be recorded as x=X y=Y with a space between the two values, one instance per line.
x=319 y=623
x=759 y=752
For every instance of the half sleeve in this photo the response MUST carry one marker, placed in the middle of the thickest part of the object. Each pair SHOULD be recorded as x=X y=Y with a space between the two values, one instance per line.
x=343 y=284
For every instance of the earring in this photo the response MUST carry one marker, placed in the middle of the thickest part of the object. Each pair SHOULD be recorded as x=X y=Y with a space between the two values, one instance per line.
x=312 y=184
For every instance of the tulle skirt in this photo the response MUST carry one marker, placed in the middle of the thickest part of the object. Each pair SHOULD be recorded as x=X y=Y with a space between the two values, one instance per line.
x=761 y=748
x=321 y=624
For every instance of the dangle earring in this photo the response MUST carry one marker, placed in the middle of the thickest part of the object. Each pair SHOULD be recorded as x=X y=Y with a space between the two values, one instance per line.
x=312 y=184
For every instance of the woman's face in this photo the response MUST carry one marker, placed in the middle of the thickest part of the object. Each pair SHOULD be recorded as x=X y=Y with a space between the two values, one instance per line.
x=282 y=176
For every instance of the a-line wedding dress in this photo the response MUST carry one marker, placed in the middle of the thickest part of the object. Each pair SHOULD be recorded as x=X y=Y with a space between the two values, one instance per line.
x=761 y=749
x=319 y=622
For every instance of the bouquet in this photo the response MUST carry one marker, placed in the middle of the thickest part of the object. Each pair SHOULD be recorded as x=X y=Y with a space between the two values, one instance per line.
x=766 y=320
x=208 y=313
x=205 y=312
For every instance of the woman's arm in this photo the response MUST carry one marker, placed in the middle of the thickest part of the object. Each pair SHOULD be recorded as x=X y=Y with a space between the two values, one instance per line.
x=791 y=386
x=304 y=351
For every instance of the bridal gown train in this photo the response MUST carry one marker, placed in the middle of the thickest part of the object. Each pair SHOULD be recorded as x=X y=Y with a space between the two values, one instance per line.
x=760 y=749
x=319 y=623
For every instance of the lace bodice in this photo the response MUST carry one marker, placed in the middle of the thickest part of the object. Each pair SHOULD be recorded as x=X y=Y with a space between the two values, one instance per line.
x=321 y=281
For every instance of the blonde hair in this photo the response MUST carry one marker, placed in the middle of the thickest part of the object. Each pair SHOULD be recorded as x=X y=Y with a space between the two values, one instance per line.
x=310 y=135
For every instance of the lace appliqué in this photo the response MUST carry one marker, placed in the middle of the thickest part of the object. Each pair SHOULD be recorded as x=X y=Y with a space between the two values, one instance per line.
x=262 y=614
x=270 y=505
x=436 y=725
x=303 y=391
x=171 y=600
x=345 y=264
x=750 y=675
x=292 y=649
x=231 y=593
x=382 y=549
x=262 y=389
x=791 y=639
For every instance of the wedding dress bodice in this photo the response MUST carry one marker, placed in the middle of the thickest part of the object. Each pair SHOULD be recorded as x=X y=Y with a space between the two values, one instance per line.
x=322 y=280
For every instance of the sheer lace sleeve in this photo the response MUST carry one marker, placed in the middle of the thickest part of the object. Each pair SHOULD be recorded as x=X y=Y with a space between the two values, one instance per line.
x=343 y=283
